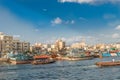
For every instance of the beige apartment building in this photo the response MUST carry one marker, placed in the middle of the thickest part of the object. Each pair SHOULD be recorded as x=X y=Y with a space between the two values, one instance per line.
x=17 y=46
x=25 y=46
x=7 y=44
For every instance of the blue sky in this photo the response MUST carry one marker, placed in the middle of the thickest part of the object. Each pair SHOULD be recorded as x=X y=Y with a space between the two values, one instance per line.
x=96 y=21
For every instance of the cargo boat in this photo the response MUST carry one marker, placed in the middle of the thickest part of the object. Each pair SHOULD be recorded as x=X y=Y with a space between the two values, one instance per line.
x=108 y=63
x=42 y=59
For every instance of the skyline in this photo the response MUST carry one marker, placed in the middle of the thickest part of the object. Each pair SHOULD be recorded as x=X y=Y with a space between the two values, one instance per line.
x=69 y=20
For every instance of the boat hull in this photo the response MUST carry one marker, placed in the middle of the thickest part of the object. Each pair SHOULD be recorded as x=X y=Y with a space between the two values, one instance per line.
x=35 y=62
x=19 y=62
x=105 y=64
x=4 y=60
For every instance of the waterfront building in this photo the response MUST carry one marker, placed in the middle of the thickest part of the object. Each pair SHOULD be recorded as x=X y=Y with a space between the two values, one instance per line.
x=17 y=46
x=6 y=42
x=25 y=46
x=37 y=47
x=20 y=46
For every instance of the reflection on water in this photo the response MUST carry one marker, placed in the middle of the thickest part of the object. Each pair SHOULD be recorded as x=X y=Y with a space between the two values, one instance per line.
x=60 y=70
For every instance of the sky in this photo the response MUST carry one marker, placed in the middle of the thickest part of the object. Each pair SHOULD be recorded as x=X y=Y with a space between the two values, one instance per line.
x=45 y=21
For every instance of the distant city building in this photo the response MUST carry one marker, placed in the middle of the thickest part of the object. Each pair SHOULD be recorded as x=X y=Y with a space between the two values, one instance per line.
x=100 y=46
x=53 y=46
x=36 y=47
x=46 y=46
x=59 y=45
x=79 y=45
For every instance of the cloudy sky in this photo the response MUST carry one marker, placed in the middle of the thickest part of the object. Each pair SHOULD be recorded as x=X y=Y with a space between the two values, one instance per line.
x=96 y=21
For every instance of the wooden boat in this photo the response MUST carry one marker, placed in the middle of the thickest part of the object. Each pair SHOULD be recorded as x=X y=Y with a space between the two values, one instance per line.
x=20 y=59
x=42 y=59
x=108 y=63
x=4 y=60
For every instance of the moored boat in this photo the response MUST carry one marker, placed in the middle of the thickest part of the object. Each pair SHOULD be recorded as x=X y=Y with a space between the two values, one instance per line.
x=14 y=61
x=42 y=59
x=74 y=58
x=20 y=58
x=4 y=60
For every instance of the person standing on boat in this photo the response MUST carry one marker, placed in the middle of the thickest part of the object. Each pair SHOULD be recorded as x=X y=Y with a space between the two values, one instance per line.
x=113 y=60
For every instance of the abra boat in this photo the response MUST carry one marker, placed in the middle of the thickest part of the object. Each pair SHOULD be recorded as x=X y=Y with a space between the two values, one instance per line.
x=16 y=61
x=108 y=63
x=42 y=59
x=76 y=54
x=74 y=58
x=20 y=58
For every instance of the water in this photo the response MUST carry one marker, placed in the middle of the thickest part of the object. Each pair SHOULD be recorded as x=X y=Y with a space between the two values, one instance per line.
x=61 y=70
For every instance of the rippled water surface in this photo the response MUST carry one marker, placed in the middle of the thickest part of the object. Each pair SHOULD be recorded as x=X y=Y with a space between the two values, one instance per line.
x=61 y=70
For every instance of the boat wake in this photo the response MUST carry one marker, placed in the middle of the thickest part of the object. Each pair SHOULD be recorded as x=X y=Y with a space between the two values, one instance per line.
x=90 y=66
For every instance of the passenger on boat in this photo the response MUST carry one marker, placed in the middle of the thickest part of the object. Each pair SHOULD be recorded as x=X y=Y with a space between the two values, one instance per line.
x=113 y=60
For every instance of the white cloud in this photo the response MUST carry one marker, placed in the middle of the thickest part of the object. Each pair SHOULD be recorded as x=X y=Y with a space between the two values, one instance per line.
x=69 y=22
x=77 y=1
x=16 y=36
x=90 y=1
x=56 y=21
x=118 y=27
x=115 y=35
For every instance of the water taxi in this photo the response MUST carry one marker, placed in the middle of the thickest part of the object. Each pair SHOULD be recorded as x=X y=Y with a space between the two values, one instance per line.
x=108 y=63
x=20 y=58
